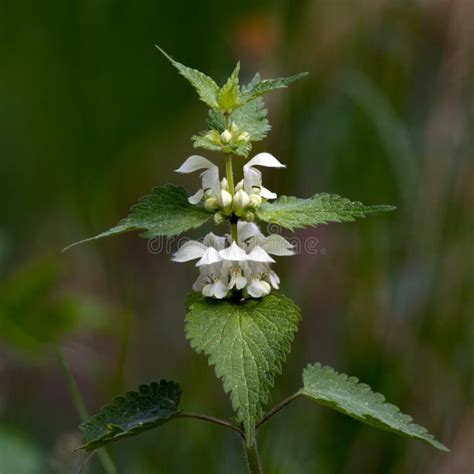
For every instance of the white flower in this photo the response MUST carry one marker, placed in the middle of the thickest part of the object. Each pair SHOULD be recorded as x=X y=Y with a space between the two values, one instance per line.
x=261 y=278
x=242 y=265
x=252 y=182
x=210 y=176
x=207 y=251
x=213 y=281
x=224 y=198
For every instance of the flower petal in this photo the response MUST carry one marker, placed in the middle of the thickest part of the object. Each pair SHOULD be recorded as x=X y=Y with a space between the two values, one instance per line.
x=219 y=290
x=211 y=255
x=264 y=159
x=246 y=230
x=259 y=255
x=258 y=288
x=194 y=163
x=189 y=251
x=213 y=240
x=196 y=198
x=267 y=194
x=234 y=252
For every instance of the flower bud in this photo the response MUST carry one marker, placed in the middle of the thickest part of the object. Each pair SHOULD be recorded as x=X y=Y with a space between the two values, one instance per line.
x=249 y=216
x=226 y=136
x=233 y=127
x=244 y=137
x=224 y=198
x=208 y=193
x=218 y=218
x=239 y=185
x=241 y=199
x=211 y=204
x=213 y=136
x=224 y=184
x=255 y=200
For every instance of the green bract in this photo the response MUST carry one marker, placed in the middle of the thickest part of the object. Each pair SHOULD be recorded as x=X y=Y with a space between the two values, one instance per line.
x=345 y=394
x=131 y=414
x=246 y=343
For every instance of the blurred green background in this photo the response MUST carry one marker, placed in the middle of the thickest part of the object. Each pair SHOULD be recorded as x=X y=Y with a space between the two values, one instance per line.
x=92 y=117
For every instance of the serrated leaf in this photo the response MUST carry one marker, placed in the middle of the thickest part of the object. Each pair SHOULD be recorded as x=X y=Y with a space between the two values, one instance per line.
x=131 y=414
x=252 y=118
x=166 y=212
x=291 y=212
x=246 y=343
x=205 y=86
x=345 y=394
x=228 y=95
x=259 y=88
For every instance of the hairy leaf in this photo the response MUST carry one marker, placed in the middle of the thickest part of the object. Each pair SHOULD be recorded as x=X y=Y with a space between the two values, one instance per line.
x=347 y=395
x=247 y=343
x=252 y=118
x=144 y=410
x=267 y=85
x=166 y=212
x=292 y=212
x=205 y=86
x=228 y=95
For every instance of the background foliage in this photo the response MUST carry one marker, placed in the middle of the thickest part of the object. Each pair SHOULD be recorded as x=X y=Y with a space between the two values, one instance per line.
x=93 y=117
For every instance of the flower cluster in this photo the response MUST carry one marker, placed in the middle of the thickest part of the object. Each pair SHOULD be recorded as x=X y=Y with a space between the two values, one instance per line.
x=239 y=262
x=226 y=265
x=216 y=194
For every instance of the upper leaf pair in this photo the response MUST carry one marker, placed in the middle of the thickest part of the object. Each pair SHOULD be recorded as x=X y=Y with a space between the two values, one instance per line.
x=167 y=212
x=237 y=116
x=229 y=97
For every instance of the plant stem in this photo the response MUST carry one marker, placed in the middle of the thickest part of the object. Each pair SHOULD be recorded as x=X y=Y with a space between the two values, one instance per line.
x=211 y=419
x=253 y=459
x=104 y=456
x=230 y=181
x=273 y=411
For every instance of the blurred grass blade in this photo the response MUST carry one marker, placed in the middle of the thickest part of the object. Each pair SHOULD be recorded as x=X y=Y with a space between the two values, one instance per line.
x=104 y=456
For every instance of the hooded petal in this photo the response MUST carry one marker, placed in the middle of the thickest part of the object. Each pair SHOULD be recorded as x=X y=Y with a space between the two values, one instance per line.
x=213 y=240
x=259 y=255
x=210 y=256
x=195 y=163
x=189 y=251
x=264 y=159
x=234 y=252
x=246 y=230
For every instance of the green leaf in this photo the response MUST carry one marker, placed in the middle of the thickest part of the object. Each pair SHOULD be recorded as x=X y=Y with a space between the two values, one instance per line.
x=144 y=410
x=228 y=95
x=259 y=88
x=347 y=395
x=166 y=212
x=252 y=118
x=291 y=212
x=205 y=86
x=247 y=343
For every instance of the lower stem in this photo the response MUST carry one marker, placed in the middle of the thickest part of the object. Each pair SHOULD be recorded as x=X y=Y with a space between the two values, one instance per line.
x=253 y=459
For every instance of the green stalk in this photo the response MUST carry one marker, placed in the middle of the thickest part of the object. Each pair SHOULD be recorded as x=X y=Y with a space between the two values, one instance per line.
x=104 y=456
x=230 y=181
x=253 y=459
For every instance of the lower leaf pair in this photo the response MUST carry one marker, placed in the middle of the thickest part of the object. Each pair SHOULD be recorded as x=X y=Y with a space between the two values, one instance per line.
x=246 y=343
